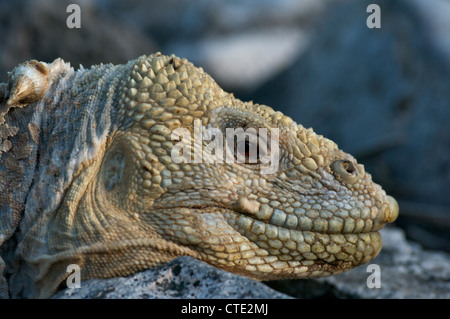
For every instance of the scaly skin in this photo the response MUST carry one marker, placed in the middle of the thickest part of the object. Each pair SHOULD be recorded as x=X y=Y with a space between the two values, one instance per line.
x=116 y=203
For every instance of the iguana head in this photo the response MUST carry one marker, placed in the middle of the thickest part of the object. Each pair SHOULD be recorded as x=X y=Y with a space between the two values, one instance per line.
x=316 y=213
x=188 y=169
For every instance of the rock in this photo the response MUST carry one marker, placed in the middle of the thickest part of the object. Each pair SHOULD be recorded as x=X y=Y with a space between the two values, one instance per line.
x=37 y=29
x=184 y=277
x=435 y=15
x=407 y=271
x=382 y=95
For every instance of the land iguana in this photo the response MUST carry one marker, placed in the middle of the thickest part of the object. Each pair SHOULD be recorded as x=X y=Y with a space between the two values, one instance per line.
x=88 y=177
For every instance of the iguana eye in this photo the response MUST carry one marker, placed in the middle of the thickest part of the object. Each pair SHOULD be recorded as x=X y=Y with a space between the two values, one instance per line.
x=247 y=137
x=247 y=146
x=246 y=152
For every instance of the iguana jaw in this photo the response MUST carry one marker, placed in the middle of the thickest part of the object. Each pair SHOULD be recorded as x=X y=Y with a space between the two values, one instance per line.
x=260 y=249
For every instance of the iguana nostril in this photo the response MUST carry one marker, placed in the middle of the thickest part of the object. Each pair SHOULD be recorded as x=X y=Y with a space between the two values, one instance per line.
x=345 y=170
x=349 y=167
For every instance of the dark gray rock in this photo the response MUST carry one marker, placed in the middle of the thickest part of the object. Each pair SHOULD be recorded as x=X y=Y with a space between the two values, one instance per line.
x=36 y=29
x=183 y=277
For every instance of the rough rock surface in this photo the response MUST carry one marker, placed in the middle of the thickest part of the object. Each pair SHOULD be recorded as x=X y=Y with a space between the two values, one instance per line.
x=184 y=277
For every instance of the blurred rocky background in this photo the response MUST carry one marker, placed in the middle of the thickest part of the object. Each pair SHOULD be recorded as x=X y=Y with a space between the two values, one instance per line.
x=382 y=94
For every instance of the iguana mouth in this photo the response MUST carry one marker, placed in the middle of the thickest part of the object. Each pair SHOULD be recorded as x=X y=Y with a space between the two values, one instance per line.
x=305 y=245
x=323 y=220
